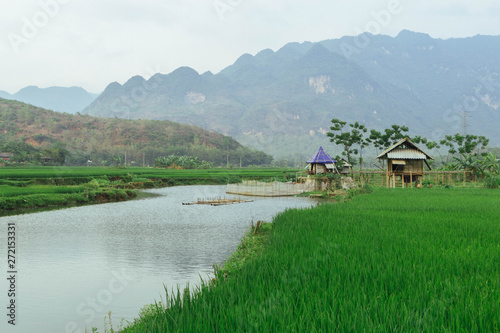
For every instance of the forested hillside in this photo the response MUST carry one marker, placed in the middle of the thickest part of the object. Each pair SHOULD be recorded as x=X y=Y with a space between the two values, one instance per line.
x=36 y=135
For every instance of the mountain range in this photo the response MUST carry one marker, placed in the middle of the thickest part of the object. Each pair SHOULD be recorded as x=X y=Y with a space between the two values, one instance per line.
x=60 y=99
x=282 y=102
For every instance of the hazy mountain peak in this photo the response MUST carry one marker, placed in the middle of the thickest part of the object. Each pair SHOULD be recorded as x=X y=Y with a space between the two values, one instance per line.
x=134 y=82
x=295 y=48
x=283 y=101
x=184 y=72
x=62 y=99
x=245 y=59
x=266 y=53
x=5 y=95
x=411 y=37
x=28 y=89
x=112 y=87
x=158 y=77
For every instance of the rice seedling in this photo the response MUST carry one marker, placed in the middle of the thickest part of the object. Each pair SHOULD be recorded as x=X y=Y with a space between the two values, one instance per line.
x=395 y=260
x=9 y=191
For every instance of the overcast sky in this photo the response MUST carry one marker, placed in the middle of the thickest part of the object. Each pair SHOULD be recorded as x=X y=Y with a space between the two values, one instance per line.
x=91 y=43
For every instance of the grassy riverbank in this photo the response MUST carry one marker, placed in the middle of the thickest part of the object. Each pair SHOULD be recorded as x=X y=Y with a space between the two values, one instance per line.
x=31 y=188
x=20 y=199
x=79 y=175
x=394 y=260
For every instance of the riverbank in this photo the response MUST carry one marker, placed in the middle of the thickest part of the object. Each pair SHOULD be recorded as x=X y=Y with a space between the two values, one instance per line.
x=17 y=199
x=38 y=188
x=397 y=259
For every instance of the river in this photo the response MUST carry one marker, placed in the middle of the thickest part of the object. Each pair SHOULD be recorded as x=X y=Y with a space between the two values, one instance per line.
x=75 y=265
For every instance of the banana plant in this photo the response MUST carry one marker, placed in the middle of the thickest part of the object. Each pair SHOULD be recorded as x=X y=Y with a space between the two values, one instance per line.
x=491 y=164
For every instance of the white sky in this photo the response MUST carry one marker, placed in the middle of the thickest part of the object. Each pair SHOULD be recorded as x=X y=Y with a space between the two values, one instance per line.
x=91 y=43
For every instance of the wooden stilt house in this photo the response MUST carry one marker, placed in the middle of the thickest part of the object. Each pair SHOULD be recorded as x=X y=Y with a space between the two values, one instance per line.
x=346 y=167
x=321 y=163
x=405 y=164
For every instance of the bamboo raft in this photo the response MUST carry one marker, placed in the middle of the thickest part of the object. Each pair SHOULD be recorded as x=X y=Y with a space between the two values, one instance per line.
x=218 y=201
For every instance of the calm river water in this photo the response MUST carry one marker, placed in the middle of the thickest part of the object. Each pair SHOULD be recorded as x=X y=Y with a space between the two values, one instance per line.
x=77 y=264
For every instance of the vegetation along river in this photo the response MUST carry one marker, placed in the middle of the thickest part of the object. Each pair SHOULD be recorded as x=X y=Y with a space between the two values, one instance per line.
x=74 y=265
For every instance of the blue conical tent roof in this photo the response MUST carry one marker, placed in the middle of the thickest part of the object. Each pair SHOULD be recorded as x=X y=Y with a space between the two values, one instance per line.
x=321 y=158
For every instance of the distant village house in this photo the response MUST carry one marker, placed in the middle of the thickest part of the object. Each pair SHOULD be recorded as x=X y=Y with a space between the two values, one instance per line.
x=405 y=164
x=346 y=168
x=6 y=156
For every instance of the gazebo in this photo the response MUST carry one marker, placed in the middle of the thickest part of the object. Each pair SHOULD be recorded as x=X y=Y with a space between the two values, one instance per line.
x=321 y=163
x=405 y=164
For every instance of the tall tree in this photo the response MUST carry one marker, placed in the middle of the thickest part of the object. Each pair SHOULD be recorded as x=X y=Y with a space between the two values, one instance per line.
x=348 y=139
x=428 y=143
x=390 y=136
x=464 y=149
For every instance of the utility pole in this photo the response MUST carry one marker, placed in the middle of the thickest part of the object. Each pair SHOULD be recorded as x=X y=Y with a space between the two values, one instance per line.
x=227 y=161
x=465 y=124
x=125 y=159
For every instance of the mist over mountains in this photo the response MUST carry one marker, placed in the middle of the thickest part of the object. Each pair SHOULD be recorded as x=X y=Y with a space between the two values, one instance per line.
x=283 y=101
x=60 y=99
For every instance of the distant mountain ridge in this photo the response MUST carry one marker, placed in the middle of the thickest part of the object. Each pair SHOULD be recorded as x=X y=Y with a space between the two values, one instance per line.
x=283 y=101
x=60 y=99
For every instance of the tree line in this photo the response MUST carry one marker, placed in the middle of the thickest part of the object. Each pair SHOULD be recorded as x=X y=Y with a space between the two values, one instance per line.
x=463 y=152
x=57 y=153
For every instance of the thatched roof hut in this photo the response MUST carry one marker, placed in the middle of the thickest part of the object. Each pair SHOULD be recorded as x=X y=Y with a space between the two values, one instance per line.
x=405 y=163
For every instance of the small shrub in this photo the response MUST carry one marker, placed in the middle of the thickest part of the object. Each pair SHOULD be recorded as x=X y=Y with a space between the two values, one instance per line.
x=96 y=183
x=427 y=183
x=366 y=189
x=492 y=182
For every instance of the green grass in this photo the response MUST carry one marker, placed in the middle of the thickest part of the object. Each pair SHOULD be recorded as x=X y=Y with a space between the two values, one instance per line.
x=392 y=261
x=163 y=177
x=75 y=172
x=14 y=198
x=39 y=187
x=252 y=245
x=9 y=191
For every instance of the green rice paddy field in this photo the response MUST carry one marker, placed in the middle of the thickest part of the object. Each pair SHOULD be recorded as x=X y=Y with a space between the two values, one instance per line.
x=42 y=187
x=399 y=260
x=84 y=173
